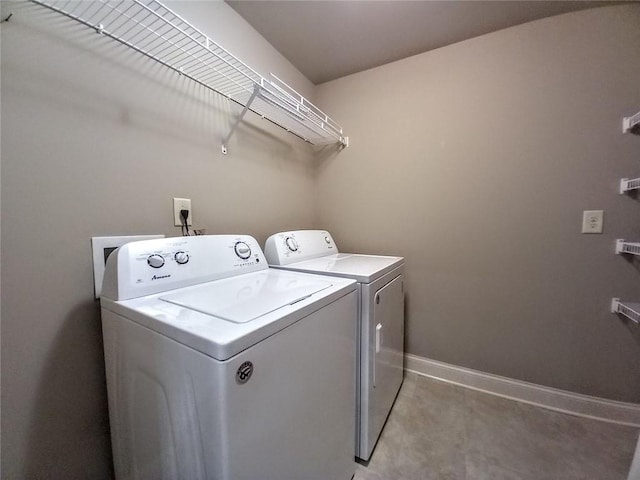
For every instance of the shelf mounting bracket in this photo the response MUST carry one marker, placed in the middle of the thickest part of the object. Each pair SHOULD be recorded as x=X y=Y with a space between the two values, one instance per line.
x=256 y=90
x=629 y=310
x=630 y=123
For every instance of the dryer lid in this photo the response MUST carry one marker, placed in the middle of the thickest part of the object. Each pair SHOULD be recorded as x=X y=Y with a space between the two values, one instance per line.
x=360 y=267
x=246 y=298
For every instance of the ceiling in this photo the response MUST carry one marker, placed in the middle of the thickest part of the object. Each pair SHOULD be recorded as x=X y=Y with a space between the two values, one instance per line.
x=326 y=40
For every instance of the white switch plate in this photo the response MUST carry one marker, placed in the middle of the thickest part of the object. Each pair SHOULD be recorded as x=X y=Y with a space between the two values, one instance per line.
x=102 y=247
x=592 y=221
x=182 y=204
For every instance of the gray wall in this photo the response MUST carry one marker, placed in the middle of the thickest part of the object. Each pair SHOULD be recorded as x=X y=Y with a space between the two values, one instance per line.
x=97 y=141
x=475 y=162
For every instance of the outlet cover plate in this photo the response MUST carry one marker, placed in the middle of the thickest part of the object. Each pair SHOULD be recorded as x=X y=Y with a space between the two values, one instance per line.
x=592 y=221
x=182 y=204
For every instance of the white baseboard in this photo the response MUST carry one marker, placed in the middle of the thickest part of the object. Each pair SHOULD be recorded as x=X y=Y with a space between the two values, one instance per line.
x=541 y=396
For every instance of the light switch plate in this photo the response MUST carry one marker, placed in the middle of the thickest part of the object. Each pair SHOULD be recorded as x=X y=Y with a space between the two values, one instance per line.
x=102 y=247
x=592 y=221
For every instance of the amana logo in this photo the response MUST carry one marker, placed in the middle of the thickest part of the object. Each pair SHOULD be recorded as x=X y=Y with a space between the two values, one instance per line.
x=244 y=372
x=158 y=277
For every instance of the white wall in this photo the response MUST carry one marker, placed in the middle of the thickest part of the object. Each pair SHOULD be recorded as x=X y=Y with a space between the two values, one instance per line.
x=475 y=162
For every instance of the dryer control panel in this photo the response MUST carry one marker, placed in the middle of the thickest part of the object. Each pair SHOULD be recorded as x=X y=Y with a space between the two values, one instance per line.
x=154 y=266
x=287 y=247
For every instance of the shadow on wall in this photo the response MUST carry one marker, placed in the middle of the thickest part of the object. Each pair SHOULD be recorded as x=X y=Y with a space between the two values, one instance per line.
x=633 y=328
x=325 y=155
x=69 y=434
x=98 y=77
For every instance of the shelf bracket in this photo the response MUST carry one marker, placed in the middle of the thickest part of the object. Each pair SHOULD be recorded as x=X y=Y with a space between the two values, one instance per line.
x=256 y=90
x=627 y=184
x=632 y=248
x=629 y=310
x=629 y=123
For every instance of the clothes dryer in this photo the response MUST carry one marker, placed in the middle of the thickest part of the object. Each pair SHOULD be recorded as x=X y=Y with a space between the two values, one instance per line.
x=221 y=368
x=380 y=319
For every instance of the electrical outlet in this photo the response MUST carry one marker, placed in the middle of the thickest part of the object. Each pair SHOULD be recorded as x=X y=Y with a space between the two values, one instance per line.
x=182 y=204
x=592 y=221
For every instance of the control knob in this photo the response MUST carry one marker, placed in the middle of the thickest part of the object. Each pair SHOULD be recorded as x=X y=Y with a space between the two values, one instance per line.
x=327 y=239
x=291 y=244
x=155 y=260
x=181 y=257
x=242 y=250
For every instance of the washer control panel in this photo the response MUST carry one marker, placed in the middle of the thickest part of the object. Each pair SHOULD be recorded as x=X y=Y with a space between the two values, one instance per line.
x=287 y=247
x=154 y=266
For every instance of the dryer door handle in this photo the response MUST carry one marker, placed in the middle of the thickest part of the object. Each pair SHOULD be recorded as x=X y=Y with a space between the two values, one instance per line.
x=378 y=347
x=378 y=337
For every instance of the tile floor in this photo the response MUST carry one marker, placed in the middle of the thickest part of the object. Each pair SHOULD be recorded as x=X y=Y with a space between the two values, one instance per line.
x=442 y=431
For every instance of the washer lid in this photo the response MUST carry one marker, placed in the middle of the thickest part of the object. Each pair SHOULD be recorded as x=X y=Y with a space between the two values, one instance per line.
x=245 y=298
x=363 y=268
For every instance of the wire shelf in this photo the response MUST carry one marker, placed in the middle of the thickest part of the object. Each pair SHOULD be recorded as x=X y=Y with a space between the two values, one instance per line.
x=630 y=123
x=153 y=30
x=629 y=310
x=632 y=248
x=627 y=184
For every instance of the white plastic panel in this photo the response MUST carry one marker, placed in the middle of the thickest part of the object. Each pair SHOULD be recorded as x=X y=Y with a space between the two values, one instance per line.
x=387 y=324
x=220 y=338
x=306 y=244
x=130 y=270
x=362 y=268
x=245 y=298
x=178 y=414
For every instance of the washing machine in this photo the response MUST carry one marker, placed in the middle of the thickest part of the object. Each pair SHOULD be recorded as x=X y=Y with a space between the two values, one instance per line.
x=380 y=319
x=221 y=368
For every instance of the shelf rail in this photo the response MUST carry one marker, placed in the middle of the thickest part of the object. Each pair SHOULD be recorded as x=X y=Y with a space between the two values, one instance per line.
x=628 y=184
x=630 y=123
x=155 y=31
x=629 y=310
x=632 y=248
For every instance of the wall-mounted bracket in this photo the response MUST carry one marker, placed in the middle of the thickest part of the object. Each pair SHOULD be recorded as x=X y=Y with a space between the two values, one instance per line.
x=627 y=184
x=632 y=248
x=256 y=90
x=629 y=310
x=629 y=123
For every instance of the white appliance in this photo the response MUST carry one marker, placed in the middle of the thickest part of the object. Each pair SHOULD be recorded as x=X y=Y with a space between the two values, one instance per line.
x=221 y=368
x=381 y=319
